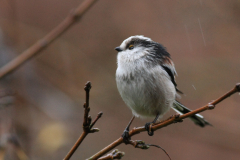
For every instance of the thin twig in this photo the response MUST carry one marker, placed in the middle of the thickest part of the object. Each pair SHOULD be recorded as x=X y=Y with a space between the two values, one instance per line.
x=99 y=116
x=76 y=145
x=114 y=155
x=165 y=123
x=87 y=126
x=32 y=51
x=87 y=118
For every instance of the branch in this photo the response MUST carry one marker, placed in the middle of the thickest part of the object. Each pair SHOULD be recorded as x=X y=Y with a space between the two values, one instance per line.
x=41 y=44
x=167 y=122
x=87 y=125
x=115 y=154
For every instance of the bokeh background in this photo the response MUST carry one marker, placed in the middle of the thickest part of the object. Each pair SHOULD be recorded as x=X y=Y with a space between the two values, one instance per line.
x=41 y=109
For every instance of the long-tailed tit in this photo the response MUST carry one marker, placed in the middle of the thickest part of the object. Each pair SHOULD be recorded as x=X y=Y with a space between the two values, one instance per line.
x=146 y=80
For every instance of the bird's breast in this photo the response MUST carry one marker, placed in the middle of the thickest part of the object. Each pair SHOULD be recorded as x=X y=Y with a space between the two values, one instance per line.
x=146 y=91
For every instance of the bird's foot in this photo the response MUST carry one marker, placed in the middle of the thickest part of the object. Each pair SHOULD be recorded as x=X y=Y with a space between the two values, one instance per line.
x=148 y=127
x=126 y=137
x=176 y=118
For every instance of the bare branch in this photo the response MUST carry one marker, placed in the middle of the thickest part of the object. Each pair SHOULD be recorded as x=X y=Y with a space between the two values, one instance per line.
x=114 y=155
x=139 y=144
x=32 y=51
x=97 y=118
x=87 y=126
x=87 y=119
x=166 y=122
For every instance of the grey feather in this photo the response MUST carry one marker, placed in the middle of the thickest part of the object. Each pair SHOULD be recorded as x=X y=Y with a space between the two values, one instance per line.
x=197 y=118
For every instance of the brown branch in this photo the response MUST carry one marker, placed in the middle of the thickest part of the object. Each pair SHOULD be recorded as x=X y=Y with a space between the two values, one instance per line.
x=139 y=144
x=167 y=122
x=32 y=51
x=87 y=119
x=115 y=154
x=99 y=116
x=87 y=125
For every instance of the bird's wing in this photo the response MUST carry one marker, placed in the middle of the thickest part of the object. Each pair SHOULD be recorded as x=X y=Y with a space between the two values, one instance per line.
x=168 y=66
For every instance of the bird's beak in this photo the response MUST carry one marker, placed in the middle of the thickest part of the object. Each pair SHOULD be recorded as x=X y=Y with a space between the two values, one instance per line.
x=118 y=49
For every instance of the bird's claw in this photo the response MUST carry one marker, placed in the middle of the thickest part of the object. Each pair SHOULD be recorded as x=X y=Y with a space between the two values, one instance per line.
x=148 y=127
x=126 y=137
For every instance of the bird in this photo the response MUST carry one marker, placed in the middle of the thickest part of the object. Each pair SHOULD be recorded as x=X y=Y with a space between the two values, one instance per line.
x=145 y=79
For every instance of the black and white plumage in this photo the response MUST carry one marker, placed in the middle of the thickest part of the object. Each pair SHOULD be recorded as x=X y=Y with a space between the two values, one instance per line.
x=146 y=79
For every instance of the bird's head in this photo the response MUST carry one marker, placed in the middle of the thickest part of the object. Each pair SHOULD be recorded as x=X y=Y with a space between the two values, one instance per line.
x=140 y=48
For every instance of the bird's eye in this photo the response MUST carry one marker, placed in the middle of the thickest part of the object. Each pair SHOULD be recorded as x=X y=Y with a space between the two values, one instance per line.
x=130 y=47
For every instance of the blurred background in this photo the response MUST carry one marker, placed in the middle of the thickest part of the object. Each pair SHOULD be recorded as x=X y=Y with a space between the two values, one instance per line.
x=41 y=109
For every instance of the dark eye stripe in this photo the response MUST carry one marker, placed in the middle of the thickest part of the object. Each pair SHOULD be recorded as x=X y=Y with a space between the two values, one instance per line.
x=141 y=42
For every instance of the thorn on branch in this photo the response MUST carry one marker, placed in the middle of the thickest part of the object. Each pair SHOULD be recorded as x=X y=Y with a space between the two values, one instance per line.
x=115 y=154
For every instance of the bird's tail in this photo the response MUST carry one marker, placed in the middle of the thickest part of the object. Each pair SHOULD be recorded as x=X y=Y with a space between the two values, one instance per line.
x=197 y=118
